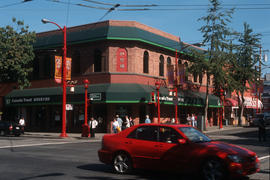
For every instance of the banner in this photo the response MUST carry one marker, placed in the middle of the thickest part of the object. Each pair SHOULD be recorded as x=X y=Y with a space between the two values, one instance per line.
x=170 y=72
x=68 y=67
x=58 y=69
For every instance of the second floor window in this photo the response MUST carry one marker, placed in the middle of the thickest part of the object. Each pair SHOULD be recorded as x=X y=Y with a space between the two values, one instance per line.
x=161 y=65
x=97 y=61
x=145 y=62
x=75 y=69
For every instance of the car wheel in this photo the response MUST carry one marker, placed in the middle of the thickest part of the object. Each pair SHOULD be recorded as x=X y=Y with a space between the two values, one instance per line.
x=122 y=163
x=213 y=169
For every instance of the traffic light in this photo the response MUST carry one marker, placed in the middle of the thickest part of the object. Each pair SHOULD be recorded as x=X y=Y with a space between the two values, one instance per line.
x=153 y=97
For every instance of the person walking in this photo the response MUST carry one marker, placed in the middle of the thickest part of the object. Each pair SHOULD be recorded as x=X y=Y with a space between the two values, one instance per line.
x=262 y=129
x=115 y=126
x=127 y=122
x=92 y=124
x=120 y=122
x=147 y=120
x=22 y=124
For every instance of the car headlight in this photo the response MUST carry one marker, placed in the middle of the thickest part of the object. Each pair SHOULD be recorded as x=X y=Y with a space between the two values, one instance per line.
x=235 y=158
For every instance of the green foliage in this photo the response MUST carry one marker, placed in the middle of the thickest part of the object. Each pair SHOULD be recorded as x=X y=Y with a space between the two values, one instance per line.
x=243 y=59
x=16 y=53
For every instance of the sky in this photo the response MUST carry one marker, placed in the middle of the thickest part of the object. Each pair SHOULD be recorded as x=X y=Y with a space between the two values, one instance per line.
x=177 y=17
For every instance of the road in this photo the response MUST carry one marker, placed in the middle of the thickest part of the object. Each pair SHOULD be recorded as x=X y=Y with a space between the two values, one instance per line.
x=27 y=158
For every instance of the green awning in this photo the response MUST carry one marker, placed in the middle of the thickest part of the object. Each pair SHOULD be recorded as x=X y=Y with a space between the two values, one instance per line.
x=106 y=93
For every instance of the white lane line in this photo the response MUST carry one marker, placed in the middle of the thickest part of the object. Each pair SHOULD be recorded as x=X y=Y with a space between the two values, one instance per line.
x=264 y=157
x=42 y=144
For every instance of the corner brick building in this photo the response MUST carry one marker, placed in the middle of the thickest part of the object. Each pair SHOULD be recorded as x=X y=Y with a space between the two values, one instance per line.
x=122 y=60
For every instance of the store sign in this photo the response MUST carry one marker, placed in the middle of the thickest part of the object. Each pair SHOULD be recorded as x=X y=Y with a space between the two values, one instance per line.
x=27 y=100
x=95 y=96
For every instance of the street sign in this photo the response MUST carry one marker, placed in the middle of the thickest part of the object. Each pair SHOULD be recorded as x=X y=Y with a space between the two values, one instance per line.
x=69 y=107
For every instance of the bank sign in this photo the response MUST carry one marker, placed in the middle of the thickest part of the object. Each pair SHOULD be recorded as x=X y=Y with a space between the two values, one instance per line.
x=27 y=100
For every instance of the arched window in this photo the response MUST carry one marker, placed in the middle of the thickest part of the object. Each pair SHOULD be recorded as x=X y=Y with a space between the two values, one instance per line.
x=47 y=66
x=195 y=77
x=145 y=62
x=76 y=63
x=200 y=78
x=161 y=65
x=169 y=61
x=179 y=61
x=186 y=74
x=97 y=61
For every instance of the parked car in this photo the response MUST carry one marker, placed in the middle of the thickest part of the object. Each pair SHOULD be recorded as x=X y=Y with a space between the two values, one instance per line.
x=9 y=128
x=179 y=148
x=254 y=121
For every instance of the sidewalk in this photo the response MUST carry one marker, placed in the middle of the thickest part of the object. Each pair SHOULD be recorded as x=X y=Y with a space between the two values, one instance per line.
x=98 y=136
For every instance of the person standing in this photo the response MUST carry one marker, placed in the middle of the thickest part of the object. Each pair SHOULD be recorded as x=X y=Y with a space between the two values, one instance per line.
x=92 y=124
x=22 y=124
x=262 y=129
x=131 y=121
x=120 y=121
x=193 y=120
x=189 y=119
x=147 y=120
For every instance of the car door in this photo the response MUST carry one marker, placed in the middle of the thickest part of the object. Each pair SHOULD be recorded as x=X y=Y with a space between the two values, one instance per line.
x=173 y=155
x=144 y=147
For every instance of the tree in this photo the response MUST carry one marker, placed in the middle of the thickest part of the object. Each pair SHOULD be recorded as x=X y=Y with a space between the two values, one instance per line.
x=16 y=53
x=244 y=60
x=215 y=36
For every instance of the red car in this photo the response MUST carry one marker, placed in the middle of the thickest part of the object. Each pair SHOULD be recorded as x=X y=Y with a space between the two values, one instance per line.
x=179 y=148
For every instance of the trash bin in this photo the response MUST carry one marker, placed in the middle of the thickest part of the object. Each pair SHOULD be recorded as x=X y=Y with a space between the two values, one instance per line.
x=200 y=122
x=85 y=131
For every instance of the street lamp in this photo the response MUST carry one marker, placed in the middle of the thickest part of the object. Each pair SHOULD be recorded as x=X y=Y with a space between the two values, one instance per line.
x=64 y=30
x=86 y=84
x=157 y=84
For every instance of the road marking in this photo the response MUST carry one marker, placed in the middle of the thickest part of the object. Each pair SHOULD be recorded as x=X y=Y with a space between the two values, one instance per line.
x=264 y=157
x=42 y=144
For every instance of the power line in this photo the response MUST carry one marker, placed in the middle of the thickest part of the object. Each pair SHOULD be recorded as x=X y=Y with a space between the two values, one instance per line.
x=13 y=4
x=123 y=5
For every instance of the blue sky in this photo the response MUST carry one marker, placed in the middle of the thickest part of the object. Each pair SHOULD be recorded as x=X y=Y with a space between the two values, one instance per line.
x=178 y=17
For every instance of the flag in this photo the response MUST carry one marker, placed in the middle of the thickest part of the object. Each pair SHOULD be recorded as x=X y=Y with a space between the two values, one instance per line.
x=68 y=68
x=58 y=69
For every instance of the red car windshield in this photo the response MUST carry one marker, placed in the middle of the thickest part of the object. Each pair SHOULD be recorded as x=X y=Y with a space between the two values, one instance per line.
x=194 y=135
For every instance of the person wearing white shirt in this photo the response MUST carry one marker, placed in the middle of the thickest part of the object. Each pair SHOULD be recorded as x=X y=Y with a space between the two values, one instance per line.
x=92 y=124
x=22 y=124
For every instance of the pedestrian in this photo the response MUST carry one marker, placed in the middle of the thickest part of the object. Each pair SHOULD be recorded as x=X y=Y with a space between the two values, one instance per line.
x=131 y=121
x=127 y=122
x=262 y=129
x=147 y=120
x=115 y=126
x=193 y=121
x=189 y=119
x=120 y=121
x=93 y=124
x=22 y=124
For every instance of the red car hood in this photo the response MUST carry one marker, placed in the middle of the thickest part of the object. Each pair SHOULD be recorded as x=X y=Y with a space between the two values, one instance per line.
x=227 y=148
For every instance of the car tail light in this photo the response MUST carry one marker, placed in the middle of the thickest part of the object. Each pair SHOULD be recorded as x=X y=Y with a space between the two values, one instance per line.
x=10 y=127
